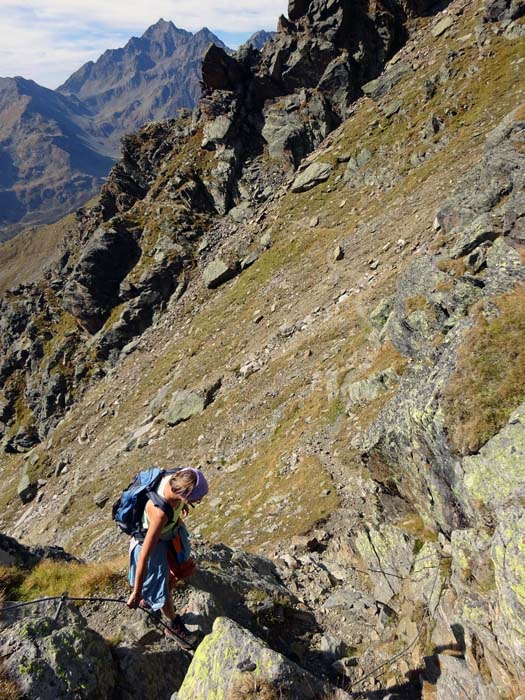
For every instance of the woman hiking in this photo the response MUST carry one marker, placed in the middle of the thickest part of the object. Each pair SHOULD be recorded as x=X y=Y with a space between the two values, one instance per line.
x=153 y=568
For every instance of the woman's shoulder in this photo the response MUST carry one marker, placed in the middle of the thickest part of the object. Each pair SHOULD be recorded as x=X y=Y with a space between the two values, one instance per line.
x=154 y=513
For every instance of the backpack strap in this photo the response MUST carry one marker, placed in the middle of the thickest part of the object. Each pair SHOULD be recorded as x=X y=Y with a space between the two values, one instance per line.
x=161 y=503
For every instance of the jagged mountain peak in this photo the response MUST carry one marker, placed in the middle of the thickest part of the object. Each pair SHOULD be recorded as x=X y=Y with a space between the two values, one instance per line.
x=260 y=38
x=164 y=28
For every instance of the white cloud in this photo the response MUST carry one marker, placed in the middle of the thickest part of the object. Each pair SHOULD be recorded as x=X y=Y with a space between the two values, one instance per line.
x=46 y=40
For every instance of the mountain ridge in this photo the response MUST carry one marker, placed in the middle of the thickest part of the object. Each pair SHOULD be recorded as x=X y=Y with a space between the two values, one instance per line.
x=79 y=126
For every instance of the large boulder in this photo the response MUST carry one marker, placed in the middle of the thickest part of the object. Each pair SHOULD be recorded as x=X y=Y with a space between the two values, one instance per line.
x=311 y=176
x=27 y=486
x=58 y=659
x=184 y=405
x=501 y=10
x=226 y=657
x=495 y=476
x=218 y=272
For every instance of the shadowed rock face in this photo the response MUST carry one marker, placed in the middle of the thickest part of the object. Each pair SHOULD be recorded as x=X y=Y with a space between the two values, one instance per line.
x=290 y=95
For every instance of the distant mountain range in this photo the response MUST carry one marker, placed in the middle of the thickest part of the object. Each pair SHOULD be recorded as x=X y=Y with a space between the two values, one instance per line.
x=57 y=146
x=259 y=39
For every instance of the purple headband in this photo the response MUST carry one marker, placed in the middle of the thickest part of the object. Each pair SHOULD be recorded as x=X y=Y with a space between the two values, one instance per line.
x=201 y=486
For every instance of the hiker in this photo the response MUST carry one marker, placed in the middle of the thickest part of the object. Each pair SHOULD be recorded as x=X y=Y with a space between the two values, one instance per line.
x=153 y=567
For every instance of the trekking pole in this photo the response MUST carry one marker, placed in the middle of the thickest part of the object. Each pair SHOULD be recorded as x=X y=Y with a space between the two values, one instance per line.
x=63 y=600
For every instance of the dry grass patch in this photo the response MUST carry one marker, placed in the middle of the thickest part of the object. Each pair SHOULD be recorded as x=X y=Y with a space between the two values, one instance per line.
x=248 y=687
x=489 y=381
x=456 y=268
x=8 y=688
x=10 y=580
x=52 y=578
x=386 y=357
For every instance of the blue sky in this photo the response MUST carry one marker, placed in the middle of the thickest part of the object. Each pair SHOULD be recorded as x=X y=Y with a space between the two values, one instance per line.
x=47 y=40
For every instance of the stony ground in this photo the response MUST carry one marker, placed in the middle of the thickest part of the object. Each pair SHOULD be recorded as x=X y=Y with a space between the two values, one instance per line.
x=295 y=370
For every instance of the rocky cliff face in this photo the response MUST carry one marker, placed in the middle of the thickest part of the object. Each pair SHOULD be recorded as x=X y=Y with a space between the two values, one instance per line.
x=339 y=346
x=289 y=97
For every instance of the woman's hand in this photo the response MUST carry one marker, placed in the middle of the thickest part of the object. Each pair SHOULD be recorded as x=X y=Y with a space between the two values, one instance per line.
x=134 y=600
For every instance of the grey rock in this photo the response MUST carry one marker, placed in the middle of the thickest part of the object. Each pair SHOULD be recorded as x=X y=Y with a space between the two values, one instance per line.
x=218 y=272
x=158 y=402
x=442 y=26
x=332 y=646
x=55 y=660
x=266 y=240
x=283 y=131
x=216 y=131
x=216 y=660
x=100 y=499
x=311 y=176
x=503 y=10
x=391 y=108
x=250 y=259
x=142 y=671
x=381 y=86
x=388 y=552
x=229 y=577
x=496 y=475
x=91 y=292
x=27 y=487
x=514 y=32
x=381 y=312
x=365 y=390
x=457 y=680
x=338 y=253
x=241 y=212
x=184 y=405
x=484 y=228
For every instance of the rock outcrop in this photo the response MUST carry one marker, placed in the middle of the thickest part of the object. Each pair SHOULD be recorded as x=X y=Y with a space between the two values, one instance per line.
x=289 y=96
x=230 y=656
x=471 y=498
x=58 y=659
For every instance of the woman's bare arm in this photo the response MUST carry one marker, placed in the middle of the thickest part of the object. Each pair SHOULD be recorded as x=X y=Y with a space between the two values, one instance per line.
x=157 y=520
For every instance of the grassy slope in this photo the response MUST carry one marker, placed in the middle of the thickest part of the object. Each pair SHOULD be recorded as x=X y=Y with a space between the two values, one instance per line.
x=23 y=257
x=282 y=431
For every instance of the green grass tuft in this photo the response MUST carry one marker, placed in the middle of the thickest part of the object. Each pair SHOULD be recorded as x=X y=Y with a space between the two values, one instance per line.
x=489 y=382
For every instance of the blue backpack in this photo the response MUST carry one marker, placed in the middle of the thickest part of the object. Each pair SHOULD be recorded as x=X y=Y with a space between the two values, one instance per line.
x=128 y=509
